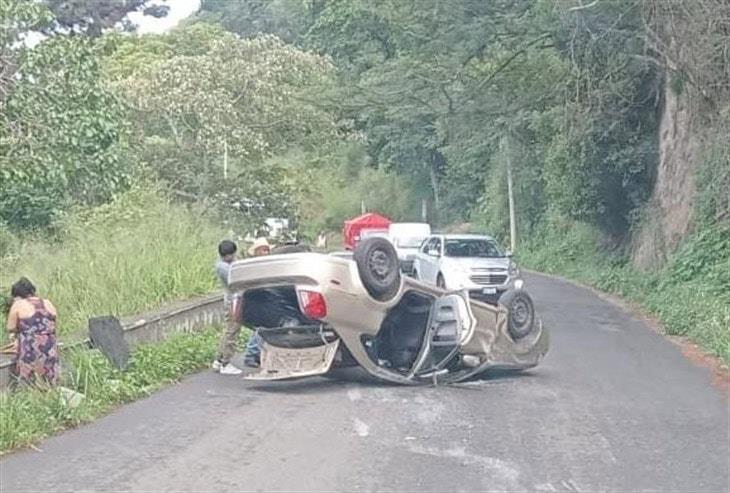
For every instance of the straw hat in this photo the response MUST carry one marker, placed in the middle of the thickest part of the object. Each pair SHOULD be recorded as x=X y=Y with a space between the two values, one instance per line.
x=259 y=242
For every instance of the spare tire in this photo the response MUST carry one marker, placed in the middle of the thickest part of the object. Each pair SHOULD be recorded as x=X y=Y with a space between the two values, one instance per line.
x=520 y=313
x=377 y=263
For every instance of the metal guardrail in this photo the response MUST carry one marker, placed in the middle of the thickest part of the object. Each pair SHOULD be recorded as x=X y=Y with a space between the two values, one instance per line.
x=151 y=327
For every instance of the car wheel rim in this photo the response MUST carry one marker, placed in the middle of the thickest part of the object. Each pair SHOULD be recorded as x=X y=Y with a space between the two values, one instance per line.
x=379 y=265
x=520 y=313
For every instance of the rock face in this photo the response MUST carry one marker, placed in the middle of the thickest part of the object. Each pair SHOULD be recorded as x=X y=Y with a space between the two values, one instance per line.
x=668 y=216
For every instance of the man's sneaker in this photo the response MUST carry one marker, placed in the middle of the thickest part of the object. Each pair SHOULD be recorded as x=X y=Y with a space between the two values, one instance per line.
x=216 y=366
x=229 y=369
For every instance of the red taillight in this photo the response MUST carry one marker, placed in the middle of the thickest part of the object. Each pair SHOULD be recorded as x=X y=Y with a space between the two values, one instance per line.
x=312 y=304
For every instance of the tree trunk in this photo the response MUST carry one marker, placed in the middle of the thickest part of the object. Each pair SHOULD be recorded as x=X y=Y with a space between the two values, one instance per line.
x=437 y=163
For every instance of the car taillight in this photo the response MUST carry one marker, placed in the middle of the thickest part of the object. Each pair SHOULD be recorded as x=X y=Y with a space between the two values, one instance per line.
x=312 y=304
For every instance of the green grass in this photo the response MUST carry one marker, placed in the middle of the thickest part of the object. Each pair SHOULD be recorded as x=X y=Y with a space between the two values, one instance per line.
x=690 y=295
x=120 y=259
x=28 y=415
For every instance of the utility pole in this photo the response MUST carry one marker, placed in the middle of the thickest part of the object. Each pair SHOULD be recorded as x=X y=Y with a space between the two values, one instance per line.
x=363 y=210
x=225 y=159
x=424 y=211
x=510 y=195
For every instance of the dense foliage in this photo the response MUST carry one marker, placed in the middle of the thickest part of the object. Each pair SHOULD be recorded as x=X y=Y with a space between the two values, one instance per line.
x=437 y=88
x=62 y=135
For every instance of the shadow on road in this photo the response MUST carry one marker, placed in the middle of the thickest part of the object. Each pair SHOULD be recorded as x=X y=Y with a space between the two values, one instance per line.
x=345 y=377
x=337 y=379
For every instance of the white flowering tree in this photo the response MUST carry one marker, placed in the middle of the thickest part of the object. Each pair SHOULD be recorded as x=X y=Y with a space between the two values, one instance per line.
x=210 y=108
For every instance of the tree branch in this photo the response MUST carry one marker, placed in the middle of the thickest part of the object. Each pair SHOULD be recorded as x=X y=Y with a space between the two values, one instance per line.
x=583 y=7
x=509 y=60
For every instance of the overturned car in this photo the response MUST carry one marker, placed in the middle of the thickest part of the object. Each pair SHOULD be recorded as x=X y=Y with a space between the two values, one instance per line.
x=319 y=312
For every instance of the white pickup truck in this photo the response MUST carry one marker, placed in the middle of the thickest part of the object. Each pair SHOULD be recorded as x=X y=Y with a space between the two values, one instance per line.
x=407 y=239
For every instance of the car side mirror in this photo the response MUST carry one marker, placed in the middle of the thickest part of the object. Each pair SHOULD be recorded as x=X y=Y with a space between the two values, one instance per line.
x=434 y=253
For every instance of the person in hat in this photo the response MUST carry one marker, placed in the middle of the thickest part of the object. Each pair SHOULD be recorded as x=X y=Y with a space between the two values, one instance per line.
x=259 y=247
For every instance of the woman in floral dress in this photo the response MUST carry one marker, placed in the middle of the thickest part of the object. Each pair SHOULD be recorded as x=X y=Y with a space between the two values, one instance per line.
x=32 y=324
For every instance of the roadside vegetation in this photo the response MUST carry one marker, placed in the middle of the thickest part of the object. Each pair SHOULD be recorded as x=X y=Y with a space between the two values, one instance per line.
x=121 y=258
x=690 y=295
x=30 y=415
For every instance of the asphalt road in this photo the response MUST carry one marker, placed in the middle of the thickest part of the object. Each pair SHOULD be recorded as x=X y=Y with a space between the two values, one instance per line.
x=614 y=407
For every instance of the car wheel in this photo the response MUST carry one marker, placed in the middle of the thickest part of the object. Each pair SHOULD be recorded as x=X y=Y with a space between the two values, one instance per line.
x=521 y=313
x=377 y=263
x=441 y=282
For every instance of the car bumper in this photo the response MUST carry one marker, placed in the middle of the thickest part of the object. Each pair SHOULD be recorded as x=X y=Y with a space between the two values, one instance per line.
x=490 y=293
x=468 y=285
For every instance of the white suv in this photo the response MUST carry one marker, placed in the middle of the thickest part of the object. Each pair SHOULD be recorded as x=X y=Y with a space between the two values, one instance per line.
x=474 y=263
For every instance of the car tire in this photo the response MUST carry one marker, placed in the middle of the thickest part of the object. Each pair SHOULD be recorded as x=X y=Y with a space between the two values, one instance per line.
x=377 y=263
x=520 y=313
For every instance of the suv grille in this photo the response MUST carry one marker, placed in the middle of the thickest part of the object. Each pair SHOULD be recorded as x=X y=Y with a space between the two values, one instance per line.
x=487 y=279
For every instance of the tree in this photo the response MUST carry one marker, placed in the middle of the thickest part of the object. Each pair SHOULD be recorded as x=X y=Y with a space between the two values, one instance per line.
x=203 y=94
x=92 y=17
x=18 y=18
x=286 y=19
x=61 y=135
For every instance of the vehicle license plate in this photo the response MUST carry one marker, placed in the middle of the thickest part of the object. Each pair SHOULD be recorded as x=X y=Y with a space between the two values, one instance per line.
x=489 y=290
x=278 y=363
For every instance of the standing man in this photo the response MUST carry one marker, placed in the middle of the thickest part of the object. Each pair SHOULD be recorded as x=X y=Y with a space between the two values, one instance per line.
x=232 y=306
x=322 y=241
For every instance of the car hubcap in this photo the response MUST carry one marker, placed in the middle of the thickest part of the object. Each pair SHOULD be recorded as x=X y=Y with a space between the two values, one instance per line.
x=379 y=264
x=520 y=313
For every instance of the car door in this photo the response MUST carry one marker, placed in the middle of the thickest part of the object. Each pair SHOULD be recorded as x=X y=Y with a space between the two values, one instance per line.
x=420 y=265
x=431 y=262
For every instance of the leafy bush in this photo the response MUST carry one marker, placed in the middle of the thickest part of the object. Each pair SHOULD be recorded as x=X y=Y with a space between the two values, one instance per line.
x=61 y=135
x=120 y=258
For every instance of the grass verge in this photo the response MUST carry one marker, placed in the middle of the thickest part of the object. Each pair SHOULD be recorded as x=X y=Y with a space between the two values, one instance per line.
x=125 y=257
x=690 y=295
x=28 y=415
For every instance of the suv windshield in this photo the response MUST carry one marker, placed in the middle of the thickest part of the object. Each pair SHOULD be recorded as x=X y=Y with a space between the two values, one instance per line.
x=472 y=247
x=409 y=242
